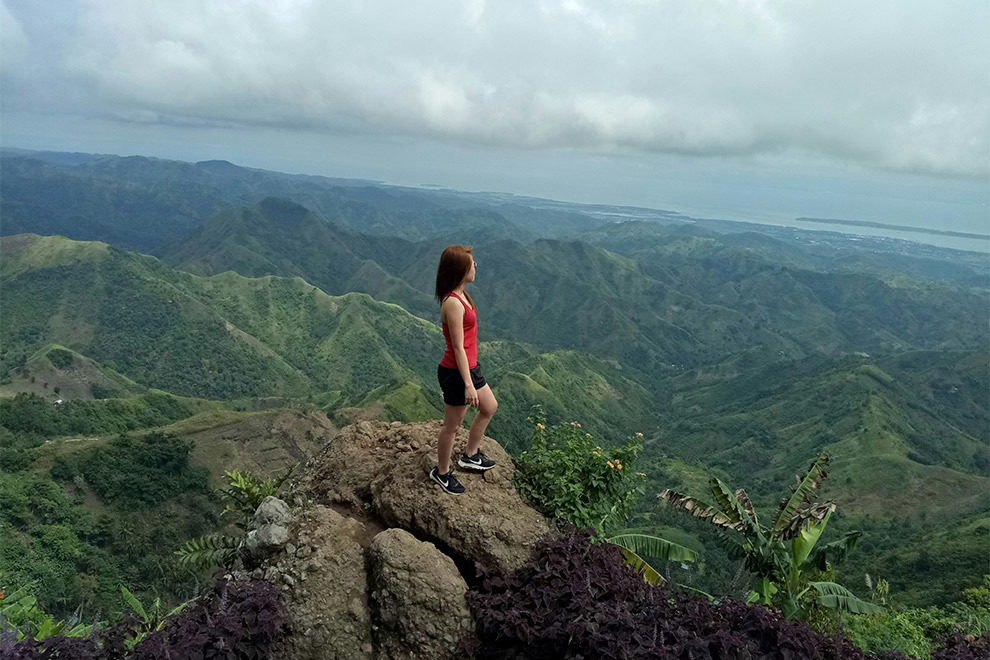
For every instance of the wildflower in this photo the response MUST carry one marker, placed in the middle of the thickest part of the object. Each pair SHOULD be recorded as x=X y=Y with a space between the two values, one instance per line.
x=540 y=426
x=587 y=435
x=618 y=466
x=577 y=425
x=610 y=464
x=634 y=452
x=642 y=474
x=639 y=435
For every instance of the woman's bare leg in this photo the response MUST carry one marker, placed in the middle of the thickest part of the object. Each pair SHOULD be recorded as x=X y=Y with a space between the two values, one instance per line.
x=487 y=405
x=453 y=417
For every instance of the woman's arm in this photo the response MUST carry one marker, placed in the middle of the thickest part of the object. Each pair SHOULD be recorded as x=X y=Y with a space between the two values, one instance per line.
x=455 y=325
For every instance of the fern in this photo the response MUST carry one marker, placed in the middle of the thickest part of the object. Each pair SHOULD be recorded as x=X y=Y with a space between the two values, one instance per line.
x=208 y=551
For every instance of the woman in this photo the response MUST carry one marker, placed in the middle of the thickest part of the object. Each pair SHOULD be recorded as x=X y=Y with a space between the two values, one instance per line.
x=459 y=373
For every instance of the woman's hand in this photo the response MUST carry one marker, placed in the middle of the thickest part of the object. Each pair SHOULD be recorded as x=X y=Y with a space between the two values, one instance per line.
x=471 y=396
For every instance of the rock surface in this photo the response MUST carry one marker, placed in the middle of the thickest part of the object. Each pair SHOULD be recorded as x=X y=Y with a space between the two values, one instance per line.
x=418 y=598
x=321 y=572
x=366 y=500
x=374 y=465
x=489 y=522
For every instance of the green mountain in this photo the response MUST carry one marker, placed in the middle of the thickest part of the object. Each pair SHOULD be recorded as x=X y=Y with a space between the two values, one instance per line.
x=145 y=203
x=908 y=438
x=278 y=237
x=229 y=337
x=684 y=301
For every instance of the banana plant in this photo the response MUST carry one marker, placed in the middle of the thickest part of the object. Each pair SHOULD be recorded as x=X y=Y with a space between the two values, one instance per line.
x=152 y=617
x=635 y=546
x=785 y=553
x=19 y=610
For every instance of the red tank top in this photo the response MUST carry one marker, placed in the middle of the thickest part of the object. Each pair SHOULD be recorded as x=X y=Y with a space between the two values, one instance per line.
x=470 y=338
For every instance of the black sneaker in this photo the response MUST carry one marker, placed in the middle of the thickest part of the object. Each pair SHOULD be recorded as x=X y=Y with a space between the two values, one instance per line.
x=447 y=481
x=477 y=462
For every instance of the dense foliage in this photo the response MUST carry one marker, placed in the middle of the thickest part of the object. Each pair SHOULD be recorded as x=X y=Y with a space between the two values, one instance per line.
x=918 y=632
x=235 y=621
x=28 y=419
x=137 y=473
x=575 y=599
x=154 y=500
x=566 y=476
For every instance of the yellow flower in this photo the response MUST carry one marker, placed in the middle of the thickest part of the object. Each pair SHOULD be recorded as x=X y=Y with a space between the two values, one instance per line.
x=587 y=435
x=540 y=426
x=618 y=466
x=610 y=464
x=642 y=474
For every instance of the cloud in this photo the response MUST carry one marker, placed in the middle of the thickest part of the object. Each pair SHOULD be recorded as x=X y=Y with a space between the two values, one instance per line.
x=886 y=84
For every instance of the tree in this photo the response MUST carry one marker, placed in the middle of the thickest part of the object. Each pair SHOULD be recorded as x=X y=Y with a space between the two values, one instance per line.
x=783 y=555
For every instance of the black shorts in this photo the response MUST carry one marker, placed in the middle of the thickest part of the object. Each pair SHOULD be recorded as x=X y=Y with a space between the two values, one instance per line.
x=453 y=385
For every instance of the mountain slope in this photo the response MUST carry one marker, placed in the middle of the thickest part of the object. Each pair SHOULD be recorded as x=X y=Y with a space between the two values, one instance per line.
x=229 y=336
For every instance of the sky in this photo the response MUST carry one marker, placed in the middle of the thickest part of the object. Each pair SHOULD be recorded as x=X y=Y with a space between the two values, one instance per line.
x=742 y=109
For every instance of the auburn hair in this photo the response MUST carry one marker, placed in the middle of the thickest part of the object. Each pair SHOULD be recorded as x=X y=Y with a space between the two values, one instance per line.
x=455 y=264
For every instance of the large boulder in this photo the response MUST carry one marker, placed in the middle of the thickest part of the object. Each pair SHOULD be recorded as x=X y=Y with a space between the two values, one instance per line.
x=489 y=522
x=418 y=597
x=385 y=467
x=343 y=471
x=321 y=571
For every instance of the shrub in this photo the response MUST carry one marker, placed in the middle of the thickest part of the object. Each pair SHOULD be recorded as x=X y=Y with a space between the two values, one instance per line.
x=60 y=358
x=102 y=391
x=576 y=599
x=964 y=647
x=237 y=620
x=566 y=476
x=881 y=633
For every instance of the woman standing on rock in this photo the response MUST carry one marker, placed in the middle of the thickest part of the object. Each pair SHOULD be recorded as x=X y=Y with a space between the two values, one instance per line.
x=459 y=373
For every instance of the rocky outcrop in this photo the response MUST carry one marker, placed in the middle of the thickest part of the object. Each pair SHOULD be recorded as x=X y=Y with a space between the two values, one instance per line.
x=385 y=468
x=374 y=559
x=418 y=598
x=488 y=523
x=321 y=571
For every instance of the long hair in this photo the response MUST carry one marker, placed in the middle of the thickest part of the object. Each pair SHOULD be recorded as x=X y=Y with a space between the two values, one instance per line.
x=455 y=264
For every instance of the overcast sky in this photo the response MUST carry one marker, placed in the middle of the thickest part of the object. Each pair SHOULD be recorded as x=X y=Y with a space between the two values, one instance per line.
x=649 y=102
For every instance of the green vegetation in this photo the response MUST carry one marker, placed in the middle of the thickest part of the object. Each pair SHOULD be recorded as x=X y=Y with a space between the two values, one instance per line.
x=77 y=552
x=736 y=354
x=244 y=495
x=783 y=555
x=918 y=631
x=567 y=477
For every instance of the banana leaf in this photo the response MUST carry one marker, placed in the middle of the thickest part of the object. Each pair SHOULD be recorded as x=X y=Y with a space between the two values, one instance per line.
x=790 y=506
x=653 y=546
x=837 y=597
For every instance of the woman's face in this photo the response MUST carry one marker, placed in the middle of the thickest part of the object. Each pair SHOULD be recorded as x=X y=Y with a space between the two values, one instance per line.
x=470 y=276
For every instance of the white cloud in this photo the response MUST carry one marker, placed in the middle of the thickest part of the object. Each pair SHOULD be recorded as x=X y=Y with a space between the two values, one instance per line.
x=888 y=84
x=13 y=41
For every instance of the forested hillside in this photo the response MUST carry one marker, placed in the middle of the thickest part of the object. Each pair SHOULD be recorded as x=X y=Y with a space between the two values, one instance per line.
x=734 y=353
